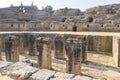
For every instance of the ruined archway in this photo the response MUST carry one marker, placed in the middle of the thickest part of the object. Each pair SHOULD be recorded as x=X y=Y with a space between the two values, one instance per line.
x=74 y=28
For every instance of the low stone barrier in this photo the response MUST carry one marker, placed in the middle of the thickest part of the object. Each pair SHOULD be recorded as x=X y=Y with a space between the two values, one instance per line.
x=24 y=71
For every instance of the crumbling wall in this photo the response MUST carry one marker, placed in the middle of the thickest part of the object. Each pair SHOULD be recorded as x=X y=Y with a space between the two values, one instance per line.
x=57 y=26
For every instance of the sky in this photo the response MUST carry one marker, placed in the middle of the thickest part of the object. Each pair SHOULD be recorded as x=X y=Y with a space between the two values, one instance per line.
x=57 y=4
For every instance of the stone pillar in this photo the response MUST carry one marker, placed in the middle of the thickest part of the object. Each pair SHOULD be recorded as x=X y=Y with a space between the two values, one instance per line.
x=116 y=50
x=11 y=48
x=97 y=43
x=59 y=47
x=90 y=43
x=21 y=46
x=74 y=53
x=84 y=54
x=26 y=42
x=0 y=49
x=44 y=49
x=32 y=45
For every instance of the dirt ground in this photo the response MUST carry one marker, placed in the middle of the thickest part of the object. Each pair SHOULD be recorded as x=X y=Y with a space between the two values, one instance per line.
x=99 y=66
x=4 y=77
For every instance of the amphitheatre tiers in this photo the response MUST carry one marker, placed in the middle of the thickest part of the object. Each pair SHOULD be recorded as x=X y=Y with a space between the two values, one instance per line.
x=101 y=18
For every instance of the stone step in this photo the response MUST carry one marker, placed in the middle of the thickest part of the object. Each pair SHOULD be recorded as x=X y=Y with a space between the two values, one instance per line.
x=42 y=74
x=24 y=71
x=63 y=75
x=4 y=64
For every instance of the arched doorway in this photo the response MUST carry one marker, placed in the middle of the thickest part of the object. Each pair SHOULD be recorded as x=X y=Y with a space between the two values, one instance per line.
x=74 y=28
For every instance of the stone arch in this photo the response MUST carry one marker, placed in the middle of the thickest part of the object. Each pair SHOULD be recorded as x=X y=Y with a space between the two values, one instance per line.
x=63 y=19
x=102 y=25
x=88 y=25
x=90 y=19
x=118 y=25
x=74 y=28
x=11 y=25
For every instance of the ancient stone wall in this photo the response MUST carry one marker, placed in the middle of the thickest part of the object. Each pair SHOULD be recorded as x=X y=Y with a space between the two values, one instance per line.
x=102 y=18
x=100 y=44
x=67 y=12
x=57 y=26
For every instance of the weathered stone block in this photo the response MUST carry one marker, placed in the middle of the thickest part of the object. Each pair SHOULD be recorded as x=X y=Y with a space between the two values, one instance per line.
x=60 y=47
x=60 y=79
x=14 y=67
x=116 y=50
x=74 y=53
x=42 y=74
x=32 y=45
x=44 y=49
x=63 y=75
x=23 y=73
x=78 y=77
x=11 y=48
x=0 y=49
x=4 y=65
x=84 y=48
x=21 y=46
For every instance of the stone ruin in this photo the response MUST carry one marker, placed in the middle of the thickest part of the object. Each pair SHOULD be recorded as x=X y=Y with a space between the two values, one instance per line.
x=11 y=48
x=74 y=53
x=60 y=47
x=75 y=47
x=30 y=18
x=44 y=49
x=71 y=47
x=23 y=71
x=32 y=45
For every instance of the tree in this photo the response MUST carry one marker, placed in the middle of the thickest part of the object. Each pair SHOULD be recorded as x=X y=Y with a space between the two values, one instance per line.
x=48 y=8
